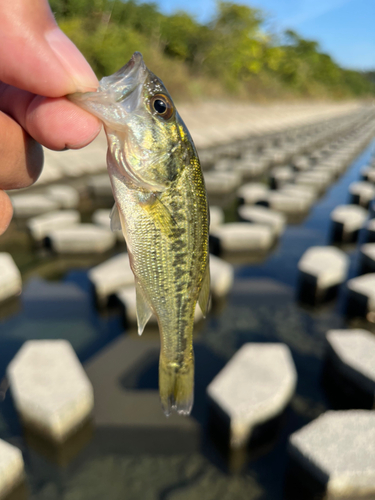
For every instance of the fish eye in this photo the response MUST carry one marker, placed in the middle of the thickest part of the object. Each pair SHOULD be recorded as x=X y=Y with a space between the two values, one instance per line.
x=162 y=105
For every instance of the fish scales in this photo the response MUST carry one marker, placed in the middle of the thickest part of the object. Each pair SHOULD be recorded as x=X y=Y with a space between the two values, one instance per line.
x=159 y=191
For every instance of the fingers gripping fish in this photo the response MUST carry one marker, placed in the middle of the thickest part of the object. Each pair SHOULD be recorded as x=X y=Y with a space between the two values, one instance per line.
x=161 y=207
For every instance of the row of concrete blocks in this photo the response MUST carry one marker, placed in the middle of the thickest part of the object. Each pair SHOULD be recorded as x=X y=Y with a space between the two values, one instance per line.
x=331 y=160
x=296 y=191
x=54 y=397
x=257 y=154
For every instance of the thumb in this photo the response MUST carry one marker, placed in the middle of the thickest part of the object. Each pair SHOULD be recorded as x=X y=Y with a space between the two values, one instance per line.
x=35 y=55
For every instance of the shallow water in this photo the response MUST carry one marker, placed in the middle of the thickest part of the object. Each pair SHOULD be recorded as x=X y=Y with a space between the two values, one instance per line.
x=262 y=307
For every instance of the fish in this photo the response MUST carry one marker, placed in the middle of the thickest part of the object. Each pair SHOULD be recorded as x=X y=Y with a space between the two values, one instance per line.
x=161 y=207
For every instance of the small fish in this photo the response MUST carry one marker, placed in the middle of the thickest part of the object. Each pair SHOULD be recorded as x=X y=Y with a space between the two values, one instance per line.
x=161 y=207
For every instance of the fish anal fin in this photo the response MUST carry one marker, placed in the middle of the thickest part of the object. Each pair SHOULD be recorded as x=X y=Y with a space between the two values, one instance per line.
x=161 y=216
x=115 y=219
x=204 y=294
x=143 y=309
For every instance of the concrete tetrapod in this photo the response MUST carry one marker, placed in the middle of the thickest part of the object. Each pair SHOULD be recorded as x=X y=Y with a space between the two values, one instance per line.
x=263 y=215
x=243 y=237
x=367 y=252
x=41 y=225
x=51 y=391
x=337 y=450
x=253 y=388
x=322 y=270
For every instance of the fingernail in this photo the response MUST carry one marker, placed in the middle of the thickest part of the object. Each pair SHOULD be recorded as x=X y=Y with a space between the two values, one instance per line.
x=73 y=61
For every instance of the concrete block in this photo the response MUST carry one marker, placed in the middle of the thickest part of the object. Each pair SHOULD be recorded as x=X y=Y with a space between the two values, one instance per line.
x=51 y=391
x=298 y=191
x=11 y=468
x=81 y=238
x=252 y=192
x=282 y=202
x=370 y=230
x=242 y=237
x=347 y=220
x=321 y=270
x=66 y=196
x=30 y=205
x=350 y=360
x=99 y=186
x=254 y=387
x=216 y=216
x=280 y=176
x=367 y=253
x=361 y=295
x=111 y=275
x=221 y=183
x=317 y=179
x=41 y=225
x=362 y=193
x=263 y=215
x=10 y=277
x=368 y=173
x=337 y=450
x=222 y=277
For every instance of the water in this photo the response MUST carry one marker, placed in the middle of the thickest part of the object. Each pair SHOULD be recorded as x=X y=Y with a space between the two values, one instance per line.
x=262 y=307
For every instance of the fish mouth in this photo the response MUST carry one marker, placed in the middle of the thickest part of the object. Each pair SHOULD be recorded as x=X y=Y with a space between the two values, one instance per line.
x=117 y=94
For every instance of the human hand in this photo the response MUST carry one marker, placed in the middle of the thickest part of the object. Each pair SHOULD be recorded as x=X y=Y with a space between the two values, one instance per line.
x=38 y=66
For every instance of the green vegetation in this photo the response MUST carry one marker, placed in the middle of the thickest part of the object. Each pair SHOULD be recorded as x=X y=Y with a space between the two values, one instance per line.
x=232 y=55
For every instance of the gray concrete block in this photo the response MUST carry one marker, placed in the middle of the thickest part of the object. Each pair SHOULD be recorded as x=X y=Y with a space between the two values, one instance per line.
x=347 y=220
x=321 y=269
x=99 y=186
x=41 y=225
x=316 y=179
x=337 y=450
x=370 y=229
x=361 y=295
x=362 y=193
x=279 y=176
x=10 y=277
x=263 y=215
x=367 y=253
x=50 y=389
x=285 y=203
x=254 y=387
x=221 y=183
x=216 y=216
x=66 y=196
x=11 y=468
x=242 y=237
x=354 y=353
x=252 y=192
x=81 y=238
x=298 y=191
x=222 y=277
x=30 y=205
x=111 y=275
x=368 y=173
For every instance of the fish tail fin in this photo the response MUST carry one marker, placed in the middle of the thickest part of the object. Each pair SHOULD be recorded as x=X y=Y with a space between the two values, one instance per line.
x=176 y=384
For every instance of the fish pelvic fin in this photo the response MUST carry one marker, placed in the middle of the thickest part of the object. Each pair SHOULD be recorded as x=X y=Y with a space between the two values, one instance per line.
x=204 y=294
x=176 y=385
x=115 y=219
x=143 y=309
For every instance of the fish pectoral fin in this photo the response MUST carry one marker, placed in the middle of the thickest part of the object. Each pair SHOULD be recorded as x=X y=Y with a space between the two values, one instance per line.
x=161 y=216
x=143 y=309
x=115 y=219
x=204 y=294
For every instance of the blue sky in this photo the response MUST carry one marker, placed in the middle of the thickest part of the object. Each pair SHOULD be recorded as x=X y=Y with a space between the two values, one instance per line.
x=345 y=29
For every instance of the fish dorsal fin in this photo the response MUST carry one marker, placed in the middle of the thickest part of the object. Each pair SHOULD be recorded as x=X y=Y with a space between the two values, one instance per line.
x=204 y=294
x=143 y=309
x=161 y=216
x=115 y=219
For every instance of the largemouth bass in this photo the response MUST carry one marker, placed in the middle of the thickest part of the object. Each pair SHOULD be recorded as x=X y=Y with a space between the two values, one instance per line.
x=161 y=207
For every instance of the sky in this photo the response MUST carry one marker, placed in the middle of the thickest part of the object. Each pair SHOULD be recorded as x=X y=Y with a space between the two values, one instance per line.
x=345 y=29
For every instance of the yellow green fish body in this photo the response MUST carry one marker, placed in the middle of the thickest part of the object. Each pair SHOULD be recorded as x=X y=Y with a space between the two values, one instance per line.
x=162 y=208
